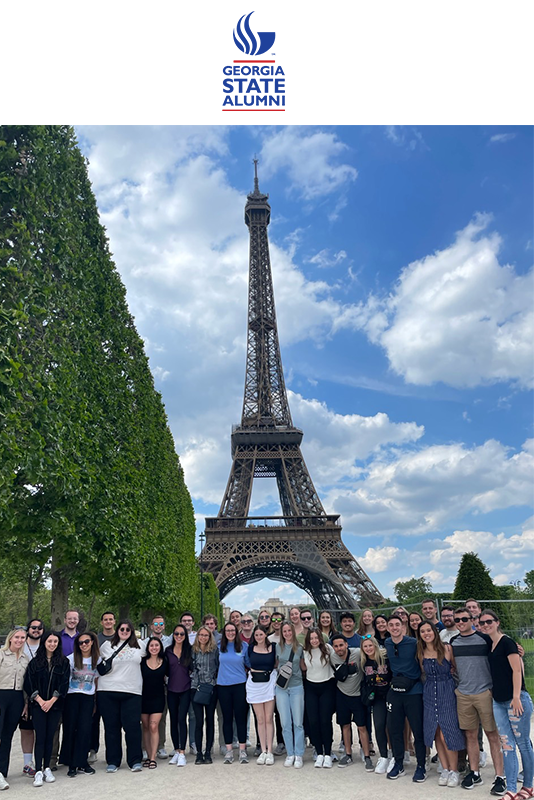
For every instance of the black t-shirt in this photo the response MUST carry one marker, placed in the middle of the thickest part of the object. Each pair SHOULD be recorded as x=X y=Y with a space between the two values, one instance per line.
x=501 y=671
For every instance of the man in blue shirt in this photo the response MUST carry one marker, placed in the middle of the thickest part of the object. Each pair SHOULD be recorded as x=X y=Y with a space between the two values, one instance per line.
x=404 y=699
x=430 y=613
x=347 y=622
x=69 y=632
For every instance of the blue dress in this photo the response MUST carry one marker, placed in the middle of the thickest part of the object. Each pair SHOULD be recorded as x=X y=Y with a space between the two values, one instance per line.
x=439 y=705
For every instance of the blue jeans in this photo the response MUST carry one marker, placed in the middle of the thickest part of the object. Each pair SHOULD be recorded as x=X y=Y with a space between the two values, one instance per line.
x=290 y=704
x=515 y=731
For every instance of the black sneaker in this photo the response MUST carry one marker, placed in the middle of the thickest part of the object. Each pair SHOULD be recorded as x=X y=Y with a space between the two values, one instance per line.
x=471 y=780
x=345 y=761
x=369 y=766
x=207 y=758
x=71 y=773
x=419 y=775
x=499 y=786
x=86 y=770
x=199 y=759
x=396 y=772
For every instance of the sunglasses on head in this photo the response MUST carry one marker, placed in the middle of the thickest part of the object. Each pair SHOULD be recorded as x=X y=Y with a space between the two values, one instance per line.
x=462 y=619
x=487 y=621
x=367 y=636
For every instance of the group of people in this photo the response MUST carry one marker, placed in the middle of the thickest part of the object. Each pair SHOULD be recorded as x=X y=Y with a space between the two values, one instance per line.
x=440 y=681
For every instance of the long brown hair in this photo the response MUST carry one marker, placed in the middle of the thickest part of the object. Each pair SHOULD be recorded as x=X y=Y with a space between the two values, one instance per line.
x=322 y=646
x=95 y=650
x=421 y=645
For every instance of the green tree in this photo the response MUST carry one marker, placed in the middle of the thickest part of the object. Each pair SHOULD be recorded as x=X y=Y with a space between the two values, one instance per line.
x=473 y=580
x=529 y=583
x=413 y=590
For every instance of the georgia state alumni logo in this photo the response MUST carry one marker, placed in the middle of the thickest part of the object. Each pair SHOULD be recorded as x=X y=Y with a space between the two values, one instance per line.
x=250 y=43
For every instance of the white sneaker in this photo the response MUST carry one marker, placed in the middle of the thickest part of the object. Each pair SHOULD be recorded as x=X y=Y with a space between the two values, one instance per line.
x=482 y=758
x=174 y=759
x=3 y=783
x=181 y=760
x=290 y=760
x=162 y=753
x=406 y=757
x=391 y=764
x=443 y=778
x=92 y=757
x=38 y=780
x=327 y=762
x=269 y=759
x=49 y=776
x=381 y=766
x=298 y=762
x=319 y=761
x=454 y=779
x=261 y=759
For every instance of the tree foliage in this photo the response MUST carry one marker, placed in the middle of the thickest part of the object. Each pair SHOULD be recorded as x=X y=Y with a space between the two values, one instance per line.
x=89 y=478
x=413 y=590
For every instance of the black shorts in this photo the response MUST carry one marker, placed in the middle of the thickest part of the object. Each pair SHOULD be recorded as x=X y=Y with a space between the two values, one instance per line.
x=350 y=708
x=26 y=724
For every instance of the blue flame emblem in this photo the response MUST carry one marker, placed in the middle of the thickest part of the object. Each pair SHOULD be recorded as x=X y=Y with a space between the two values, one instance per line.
x=250 y=43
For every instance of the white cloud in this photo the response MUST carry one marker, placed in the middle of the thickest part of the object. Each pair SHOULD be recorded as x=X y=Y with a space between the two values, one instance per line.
x=311 y=161
x=323 y=259
x=456 y=316
x=379 y=559
x=408 y=138
x=501 y=138
x=493 y=549
x=160 y=374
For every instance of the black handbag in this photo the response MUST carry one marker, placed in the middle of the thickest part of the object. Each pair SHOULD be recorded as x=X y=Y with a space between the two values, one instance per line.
x=402 y=684
x=203 y=694
x=105 y=666
x=341 y=671
x=262 y=676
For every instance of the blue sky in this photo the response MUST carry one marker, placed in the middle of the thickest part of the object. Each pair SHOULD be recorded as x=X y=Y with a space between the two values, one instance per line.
x=402 y=265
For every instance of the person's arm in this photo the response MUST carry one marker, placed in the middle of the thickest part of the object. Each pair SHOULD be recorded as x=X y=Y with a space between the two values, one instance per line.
x=517 y=674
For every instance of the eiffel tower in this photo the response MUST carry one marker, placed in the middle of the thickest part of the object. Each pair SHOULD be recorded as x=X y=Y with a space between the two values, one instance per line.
x=304 y=545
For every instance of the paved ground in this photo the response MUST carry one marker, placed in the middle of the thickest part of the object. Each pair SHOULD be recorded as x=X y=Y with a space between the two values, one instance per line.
x=228 y=782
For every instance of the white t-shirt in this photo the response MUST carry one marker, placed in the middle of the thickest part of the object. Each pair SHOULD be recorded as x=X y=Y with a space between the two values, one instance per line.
x=125 y=675
x=316 y=670
x=30 y=649
x=82 y=681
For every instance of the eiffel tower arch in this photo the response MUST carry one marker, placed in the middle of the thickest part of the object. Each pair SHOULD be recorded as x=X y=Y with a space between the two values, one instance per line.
x=304 y=544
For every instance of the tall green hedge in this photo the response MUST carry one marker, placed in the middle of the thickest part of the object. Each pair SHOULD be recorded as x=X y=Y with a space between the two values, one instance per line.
x=89 y=478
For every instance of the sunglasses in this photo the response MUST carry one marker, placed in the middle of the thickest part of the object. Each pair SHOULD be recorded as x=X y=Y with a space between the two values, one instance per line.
x=367 y=636
x=462 y=619
x=178 y=633
x=246 y=622
x=276 y=619
x=158 y=624
x=306 y=619
x=83 y=642
x=36 y=628
x=125 y=630
x=265 y=616
x=487 y=621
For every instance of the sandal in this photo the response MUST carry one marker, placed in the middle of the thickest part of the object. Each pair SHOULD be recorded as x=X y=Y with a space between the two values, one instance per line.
x=152 y=764
x=146 y=762
x=524 y=794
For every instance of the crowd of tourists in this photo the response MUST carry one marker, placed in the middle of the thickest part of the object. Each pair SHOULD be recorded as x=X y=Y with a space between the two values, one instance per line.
x=408 y=681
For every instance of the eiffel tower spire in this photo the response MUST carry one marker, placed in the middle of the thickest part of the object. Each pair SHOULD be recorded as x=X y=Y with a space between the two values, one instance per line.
x=304 y=544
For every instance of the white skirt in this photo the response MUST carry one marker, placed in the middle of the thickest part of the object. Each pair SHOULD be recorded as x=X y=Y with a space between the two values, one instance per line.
x=261 y=692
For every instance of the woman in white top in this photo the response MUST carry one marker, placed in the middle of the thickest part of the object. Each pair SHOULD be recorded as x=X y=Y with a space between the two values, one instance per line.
x=119 y=698
x=80 y=704
x=320 y=695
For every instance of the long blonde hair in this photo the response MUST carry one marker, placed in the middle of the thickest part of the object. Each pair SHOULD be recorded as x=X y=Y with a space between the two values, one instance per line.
x=10 y=636
x=378 y=656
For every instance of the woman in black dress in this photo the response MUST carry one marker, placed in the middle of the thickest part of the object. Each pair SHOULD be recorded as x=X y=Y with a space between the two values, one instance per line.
x=154 y=668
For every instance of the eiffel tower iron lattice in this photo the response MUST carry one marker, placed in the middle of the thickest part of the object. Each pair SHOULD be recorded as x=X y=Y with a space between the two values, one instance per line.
x=303 y=545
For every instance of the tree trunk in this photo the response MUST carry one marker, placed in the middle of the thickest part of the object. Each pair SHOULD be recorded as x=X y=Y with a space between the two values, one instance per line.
x=33 y=583
x=124 y=611
x=60 y=594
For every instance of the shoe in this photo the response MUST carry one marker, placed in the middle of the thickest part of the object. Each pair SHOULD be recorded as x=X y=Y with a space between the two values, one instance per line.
x=434 y=759
x=174 y=758
x=243 y=757
x=471 y=780
x=54 y=768
x=396 y=772
x=327 y=762
x=280 y=749
x=193 y=749
x=443 y=778
x=48 y=777
x=406 y=757
x=298 y=762
x=333 y=756
x=3 y=783
x=222 y=750
x=181 y=760
x=499 y=786
x=454 y=779
x=28 y=770
x=257 y=751
x=137 y=767
x=319 y=761
x=269 y=760
x=92 y=757
x=111 y=768
x=162 y=753
x=86 y=770
x=207 y=758
x=72 y=773
x=419 y=775
x=369 y=766
x=261 y=759
x=228 y=757
x=482 y=758
x=381 y=766
x=345 y=761
x=290 y=760
x=38 y=779
x=391 y=764
x=199 y=759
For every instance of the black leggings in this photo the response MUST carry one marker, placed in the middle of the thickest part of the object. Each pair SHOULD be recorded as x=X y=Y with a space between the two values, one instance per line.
x=233 y=700
x=379 y=719
x=77 y=724
x=45 y=725
x=209 y=712
x=320 y=703
x=178 y=705
x=11 y=705
x=410 y=707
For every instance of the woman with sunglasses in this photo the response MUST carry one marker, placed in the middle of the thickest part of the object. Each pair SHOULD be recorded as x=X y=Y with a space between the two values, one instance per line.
x=205 y=665
x=154 y=670
x=326 y=624
x=231 y=691
x=46 y=683
x=365 y=623
x=13 y=666
x=264 y=620
x=377 y=679
x=512 y=706
x=80 y=704
x=380 y=625
x=179 y=691
x=414 y=621
x=119 y=697
x=440 y=718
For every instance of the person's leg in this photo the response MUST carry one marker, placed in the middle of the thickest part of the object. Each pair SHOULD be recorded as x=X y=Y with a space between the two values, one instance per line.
x=191 y=724
x=162 y=727
x=379 y=721
x=39 y=724
x=172 y=705
x=27 y=742
x=278 y=727
x=183 y=708
x=312 y=709
x=83 y=730
x=496 y=751
x=210 y=721
x=145 y=734
x=70 y=724
x=506 y=738
x=130 y=720
x=198 y=711
x=240 y=713
x=95 y=731
x=326 y=709
x=154 y=739
x=269 y=724
x=521 y=729
x=109 y=707
x=414 y=712
x=473 y=753
x=11 y=705
x=259 y=711
x=283 y=704
x=226 y=700
x=53 y=718
x=296 y=701
x=448 y=758
x=395 y=726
